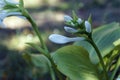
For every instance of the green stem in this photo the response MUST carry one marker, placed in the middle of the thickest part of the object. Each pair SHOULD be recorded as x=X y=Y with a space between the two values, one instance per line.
x=53 y=64
x=52 y=73
x=44 y=50
x=35 y=27
x=116 y=68
x=99 y=56
x=52 y=68
x=55 y=68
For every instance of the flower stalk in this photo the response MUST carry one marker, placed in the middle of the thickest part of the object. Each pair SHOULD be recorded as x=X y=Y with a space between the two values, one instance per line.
x=91 y=41
x=35 y=27
x=45 y=51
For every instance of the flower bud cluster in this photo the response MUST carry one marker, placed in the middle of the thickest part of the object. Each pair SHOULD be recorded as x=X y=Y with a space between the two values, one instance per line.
x=72 y=22
x=77 y=25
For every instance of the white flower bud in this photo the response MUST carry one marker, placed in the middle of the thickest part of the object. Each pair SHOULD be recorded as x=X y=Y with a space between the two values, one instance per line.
x=2 y=24
x=59 y=39
x=67 y=18
x=70 y=30
x=88 y=27
x=4 y=14
x=118 y=78
x=79 y=20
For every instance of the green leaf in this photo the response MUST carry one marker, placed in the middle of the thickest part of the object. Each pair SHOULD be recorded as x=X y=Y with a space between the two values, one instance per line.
x=113 y=62
x=10 y=7
x=74 y=62
x=104 y=36
x=21 y=3
x=112 y=56
x=37 y=47
x=74 y=16
x=39 y=61
x=90 y=18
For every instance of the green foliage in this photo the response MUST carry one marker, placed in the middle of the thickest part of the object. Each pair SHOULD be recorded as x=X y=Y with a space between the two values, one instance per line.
x=73 y=61
x=112 y=56
x=98 y=60
x=112 y=61
x=39 y=61
x=104 y=36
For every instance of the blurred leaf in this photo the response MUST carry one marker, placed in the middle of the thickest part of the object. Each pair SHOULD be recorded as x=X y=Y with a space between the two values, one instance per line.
x=27 y=57
x=21 y=3
x=73 y=61
x=90 y=18
x=112 y=56
x=113 y=61
x=74 y=16
x=10 y=7
x=104 y=36
x=39 y=61
x=37 y=47
x=116 y=68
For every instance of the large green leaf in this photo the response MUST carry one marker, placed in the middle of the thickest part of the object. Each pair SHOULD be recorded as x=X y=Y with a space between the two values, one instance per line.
x=103 y=36
x=73 y=61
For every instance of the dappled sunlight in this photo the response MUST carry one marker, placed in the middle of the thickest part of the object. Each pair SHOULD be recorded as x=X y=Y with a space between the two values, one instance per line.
x=18 y=42
x=40 y=3
x=16 y=23
x=48 y=16
x=40 y=18
x=53 y=13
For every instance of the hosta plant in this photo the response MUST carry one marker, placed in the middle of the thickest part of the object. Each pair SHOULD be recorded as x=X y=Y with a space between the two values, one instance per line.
x=94 y=54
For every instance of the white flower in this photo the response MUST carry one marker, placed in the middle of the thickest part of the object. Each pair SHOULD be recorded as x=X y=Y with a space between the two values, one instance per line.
x=2 y=24
x=67 y=18
x=59 y=39
x=79 y=20
x=5 y=2
x=87 y=27
x=118 y=79
x=4 y=14
x=70 y=30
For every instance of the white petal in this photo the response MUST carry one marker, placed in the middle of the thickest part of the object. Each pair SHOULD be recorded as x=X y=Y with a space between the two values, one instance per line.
x=2 y=3
x=14 y=14
x=118 y=78
x=4 y=14
x=2 y=25
x=67 y=18
x=22 y=17
x=70 y=30
x=76 y=39
x=12 y=2
x=88 y=27
x=59 y=39
x=79 y=20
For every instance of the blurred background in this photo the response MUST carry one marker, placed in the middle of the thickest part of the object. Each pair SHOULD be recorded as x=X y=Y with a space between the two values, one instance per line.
x=49 y=16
